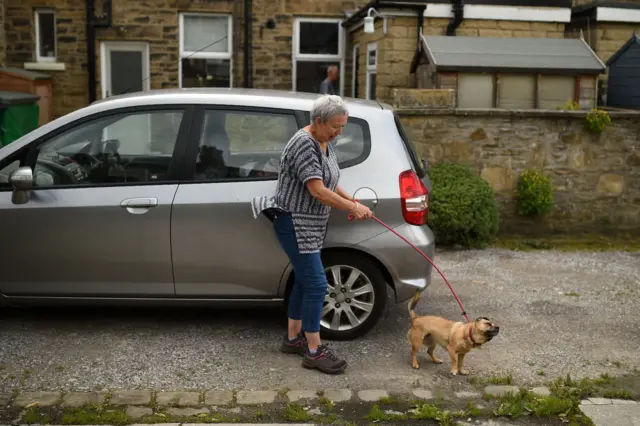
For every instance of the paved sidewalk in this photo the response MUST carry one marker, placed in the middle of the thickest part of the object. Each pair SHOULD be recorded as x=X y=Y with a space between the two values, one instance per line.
x=612 y=412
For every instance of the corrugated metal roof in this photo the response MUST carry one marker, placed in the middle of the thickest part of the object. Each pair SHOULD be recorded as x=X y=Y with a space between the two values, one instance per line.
x=542 y=54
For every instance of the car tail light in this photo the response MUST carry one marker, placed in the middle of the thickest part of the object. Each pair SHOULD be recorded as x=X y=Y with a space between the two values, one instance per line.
x=414 y=198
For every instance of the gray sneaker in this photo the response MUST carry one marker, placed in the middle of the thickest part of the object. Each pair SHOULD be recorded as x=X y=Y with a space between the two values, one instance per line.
x=324 y=360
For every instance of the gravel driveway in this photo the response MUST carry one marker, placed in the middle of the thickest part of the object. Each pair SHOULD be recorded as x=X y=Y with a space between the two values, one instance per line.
x=560 y=313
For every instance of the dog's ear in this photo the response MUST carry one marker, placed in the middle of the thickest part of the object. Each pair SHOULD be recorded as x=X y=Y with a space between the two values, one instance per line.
x=482 y=318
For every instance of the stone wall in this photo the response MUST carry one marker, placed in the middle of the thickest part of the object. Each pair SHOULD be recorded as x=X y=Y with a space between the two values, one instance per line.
x=2 y=38
x=597 y=178
x=156 y=22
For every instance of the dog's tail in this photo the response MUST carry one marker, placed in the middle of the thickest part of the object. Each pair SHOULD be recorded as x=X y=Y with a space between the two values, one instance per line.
x=412 y=306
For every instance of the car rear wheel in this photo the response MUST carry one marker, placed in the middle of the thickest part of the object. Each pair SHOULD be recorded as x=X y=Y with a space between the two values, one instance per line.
x=356 y=296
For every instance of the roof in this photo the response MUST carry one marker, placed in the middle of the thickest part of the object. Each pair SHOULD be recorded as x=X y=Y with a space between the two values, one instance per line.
x=16 y=98
x=590 y=7
x=29 y=75
x=558 y=55
x=634 y=39
x=421 y=4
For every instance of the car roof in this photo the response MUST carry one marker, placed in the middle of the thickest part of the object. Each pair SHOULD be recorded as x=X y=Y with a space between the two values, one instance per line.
x=226 y=96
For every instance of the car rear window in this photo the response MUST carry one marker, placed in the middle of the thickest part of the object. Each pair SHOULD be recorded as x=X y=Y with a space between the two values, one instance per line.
x=353 y=146
x=411 y=151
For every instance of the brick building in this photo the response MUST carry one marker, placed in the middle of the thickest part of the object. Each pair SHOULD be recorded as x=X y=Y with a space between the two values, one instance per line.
x=150 y=44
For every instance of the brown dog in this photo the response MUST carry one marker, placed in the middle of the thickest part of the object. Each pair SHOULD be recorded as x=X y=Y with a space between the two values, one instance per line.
x=456 y=337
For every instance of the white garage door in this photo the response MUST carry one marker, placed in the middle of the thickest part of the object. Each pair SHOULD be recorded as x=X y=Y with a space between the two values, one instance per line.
x=517 y=91
x=475 y=90
x=556 y=91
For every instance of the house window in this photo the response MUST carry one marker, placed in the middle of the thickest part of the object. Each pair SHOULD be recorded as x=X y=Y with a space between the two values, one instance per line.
x=317 y=44
x=356 y=71
x=587 y=92
x=372 y=62
x=45 y=23
x=205 y=50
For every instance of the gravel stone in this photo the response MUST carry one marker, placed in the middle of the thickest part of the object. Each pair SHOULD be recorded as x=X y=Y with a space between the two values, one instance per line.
x=372 y=395
x=187 y=412
x=137 y=412
x=5 y=398
x=297 y=395
x=337 y=395
x=423 y=393
x=216 y=397
x=541 y=391
x=256 y=397
x=78 y=399
x=182 y=399
x=131 y=398
x=44 y=399
x=222 y=349
x=501 y=390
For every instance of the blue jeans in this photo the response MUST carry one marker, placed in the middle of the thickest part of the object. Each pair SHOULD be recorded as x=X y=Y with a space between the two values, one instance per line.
x=310 y=282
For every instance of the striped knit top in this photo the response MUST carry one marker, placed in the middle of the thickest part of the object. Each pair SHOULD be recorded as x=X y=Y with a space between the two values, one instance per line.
x=302 y=160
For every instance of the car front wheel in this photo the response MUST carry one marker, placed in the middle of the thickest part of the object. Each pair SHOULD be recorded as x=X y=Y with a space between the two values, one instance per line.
x=356 y=296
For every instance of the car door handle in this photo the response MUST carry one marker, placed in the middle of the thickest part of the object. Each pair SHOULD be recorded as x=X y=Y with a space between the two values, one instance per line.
x=139 y=203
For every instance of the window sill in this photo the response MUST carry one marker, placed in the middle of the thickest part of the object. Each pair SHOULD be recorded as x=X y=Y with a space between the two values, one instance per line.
x=44 y=66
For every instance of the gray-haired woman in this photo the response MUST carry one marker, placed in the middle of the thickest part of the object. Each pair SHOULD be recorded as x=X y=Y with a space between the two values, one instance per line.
x=306 y=191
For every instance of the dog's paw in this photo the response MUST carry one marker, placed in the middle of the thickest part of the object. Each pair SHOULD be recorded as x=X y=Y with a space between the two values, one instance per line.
x=464 y=372
x=436 y=361
x=454 y=373
x=415 y=366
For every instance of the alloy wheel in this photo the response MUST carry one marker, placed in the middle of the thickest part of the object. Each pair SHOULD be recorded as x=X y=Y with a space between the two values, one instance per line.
x=349 y=300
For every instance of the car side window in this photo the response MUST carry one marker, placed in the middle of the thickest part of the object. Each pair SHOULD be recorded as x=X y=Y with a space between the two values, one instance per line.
x=354 y=144
x=242 y=144
x=125 y=148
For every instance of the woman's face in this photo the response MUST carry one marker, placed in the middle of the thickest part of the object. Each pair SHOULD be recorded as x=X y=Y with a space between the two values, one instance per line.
x=331 y=129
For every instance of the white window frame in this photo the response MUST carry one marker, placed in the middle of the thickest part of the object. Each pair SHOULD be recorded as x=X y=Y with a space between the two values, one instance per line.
x=307 y=57
x=206 y=55
x=123 y=46
x=356 y=57
x=37 y=14
x=371 y=69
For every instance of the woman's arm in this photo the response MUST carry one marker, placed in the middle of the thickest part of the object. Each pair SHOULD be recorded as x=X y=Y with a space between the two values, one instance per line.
x=326 y=196
x=344 y=194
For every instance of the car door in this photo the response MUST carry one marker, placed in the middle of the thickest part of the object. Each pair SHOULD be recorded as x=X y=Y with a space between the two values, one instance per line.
x=97 y=220
x=219 y=249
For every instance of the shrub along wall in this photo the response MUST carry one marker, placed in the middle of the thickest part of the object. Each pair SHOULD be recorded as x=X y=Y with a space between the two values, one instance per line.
x=596 y=177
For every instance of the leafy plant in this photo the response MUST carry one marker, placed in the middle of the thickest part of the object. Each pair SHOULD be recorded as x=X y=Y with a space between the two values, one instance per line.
x=571 y=105
x=463 y=207
x=597 y=120
x=534 y=192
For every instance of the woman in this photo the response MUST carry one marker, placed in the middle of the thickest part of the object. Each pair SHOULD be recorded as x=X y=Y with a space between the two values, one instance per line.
x=306 y=191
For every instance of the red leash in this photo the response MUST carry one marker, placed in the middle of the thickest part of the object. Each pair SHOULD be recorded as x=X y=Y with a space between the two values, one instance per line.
x=351 y=217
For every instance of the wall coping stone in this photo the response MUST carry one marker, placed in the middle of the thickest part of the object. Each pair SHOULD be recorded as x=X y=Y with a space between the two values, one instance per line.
x=495 y=112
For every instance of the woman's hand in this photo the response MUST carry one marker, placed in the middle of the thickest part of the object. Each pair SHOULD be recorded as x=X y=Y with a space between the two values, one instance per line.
x=360 y=212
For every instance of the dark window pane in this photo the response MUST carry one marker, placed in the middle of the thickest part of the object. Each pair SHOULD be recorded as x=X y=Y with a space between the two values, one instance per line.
x=309 y=75
x=206 y=73
x=319 y=38
x=356 y=72
x=126 y=72
x=47 y=35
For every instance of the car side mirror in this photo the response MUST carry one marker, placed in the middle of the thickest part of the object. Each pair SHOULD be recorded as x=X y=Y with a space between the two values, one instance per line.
x=22 y=181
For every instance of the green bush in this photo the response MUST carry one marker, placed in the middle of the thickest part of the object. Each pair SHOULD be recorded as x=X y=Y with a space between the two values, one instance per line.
x=463 y=208
x=597 y=120
x=535 y=193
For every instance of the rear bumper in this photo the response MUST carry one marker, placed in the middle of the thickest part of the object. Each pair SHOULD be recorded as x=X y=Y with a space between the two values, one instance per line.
x=409 y=270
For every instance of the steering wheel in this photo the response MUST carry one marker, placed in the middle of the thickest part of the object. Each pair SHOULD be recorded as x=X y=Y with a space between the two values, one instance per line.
x=58 y=170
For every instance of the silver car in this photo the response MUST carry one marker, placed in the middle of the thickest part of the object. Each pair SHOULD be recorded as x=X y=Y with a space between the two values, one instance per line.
x=145 y=198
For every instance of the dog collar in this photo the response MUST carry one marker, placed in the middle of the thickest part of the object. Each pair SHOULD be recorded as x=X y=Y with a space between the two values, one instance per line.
x=471 y=335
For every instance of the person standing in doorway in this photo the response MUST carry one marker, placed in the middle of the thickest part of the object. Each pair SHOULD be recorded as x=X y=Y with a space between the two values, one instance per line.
x=327 y=86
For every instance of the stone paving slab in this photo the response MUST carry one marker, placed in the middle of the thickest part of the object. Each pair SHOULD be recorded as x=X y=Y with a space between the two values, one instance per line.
x=5 y=398
x=78 y=399
x=131 y=398
x=43 y=399
x=372 y=395
x=256 y=397
x=613 y=413
x=302 y=395
x=182 y=399
x=338 y=395
x=218 y=397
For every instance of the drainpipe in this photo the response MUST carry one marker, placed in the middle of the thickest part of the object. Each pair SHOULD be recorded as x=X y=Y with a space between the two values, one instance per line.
x=458 y=16
x=91 y=52
x=248 y=23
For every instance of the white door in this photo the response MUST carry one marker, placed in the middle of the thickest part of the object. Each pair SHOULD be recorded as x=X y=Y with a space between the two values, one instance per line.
x=125 y=69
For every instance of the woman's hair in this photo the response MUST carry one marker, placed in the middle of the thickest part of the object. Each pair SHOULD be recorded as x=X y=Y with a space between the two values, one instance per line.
x=326 y=107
